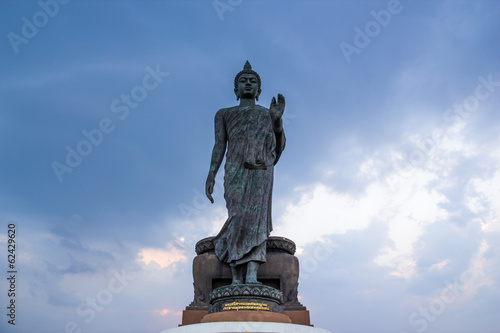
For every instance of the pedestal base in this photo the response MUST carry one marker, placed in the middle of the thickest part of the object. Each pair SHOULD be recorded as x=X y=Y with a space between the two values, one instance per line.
x=249 y=327
x=237 y=297
x=254 y=316
x=280 y=272
x=300 y=317
x=190 y=317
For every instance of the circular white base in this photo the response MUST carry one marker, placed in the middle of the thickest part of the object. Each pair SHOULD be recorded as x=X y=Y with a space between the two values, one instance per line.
x=245 y=327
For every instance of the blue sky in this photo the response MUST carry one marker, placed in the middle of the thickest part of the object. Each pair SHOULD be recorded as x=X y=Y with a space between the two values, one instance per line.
x=389 y=183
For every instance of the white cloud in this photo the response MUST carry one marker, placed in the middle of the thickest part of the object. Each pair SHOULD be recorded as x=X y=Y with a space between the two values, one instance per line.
x=475 y=276
x=174 y=253
x=406 y=203
x=440 y=265
x=482 y=196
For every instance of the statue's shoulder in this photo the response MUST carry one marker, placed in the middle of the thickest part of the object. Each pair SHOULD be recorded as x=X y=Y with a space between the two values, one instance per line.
x=223 y=111
x=260 y=107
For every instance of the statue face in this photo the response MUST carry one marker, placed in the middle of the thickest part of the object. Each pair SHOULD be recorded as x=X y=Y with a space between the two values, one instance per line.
x=248 y=86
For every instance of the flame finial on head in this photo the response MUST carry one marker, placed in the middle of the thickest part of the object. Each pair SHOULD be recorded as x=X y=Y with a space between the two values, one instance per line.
x=247 y=66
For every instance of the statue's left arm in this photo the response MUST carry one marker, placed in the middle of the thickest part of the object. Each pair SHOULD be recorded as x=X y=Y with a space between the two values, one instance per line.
x=217 y=153
x=276 y=111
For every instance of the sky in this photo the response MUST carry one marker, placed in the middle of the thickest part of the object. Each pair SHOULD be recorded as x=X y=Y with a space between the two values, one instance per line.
x=389 y=183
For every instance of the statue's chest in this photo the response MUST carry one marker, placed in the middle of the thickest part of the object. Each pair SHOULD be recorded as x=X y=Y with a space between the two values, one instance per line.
x=248 y=120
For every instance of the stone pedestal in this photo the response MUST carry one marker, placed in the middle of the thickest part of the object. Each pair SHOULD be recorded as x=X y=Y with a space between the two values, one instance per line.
x=281 y=272
x=248 y=327
x=250 y=316
x=254 y=297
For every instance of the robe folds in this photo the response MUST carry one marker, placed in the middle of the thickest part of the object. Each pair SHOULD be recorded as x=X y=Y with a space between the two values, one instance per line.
x=248 y=192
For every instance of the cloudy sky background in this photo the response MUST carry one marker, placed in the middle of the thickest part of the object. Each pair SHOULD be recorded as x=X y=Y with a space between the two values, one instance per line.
x=389 y=183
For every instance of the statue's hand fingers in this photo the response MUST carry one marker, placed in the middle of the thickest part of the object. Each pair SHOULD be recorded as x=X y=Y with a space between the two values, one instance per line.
x=258 y=165
x=281 y=99
x=209 y=189
x=273 y=103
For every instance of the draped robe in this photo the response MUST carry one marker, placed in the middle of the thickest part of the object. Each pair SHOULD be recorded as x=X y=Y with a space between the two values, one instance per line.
x=248 y=192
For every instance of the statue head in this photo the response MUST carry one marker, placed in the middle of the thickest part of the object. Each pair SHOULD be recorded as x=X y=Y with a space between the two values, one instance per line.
x=247 y=77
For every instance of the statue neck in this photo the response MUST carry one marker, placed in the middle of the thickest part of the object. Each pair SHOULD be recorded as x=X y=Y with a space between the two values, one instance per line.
x=247 y=102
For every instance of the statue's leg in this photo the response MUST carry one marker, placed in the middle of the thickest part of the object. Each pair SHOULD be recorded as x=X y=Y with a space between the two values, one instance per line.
x=252 y=268
x=237 y=272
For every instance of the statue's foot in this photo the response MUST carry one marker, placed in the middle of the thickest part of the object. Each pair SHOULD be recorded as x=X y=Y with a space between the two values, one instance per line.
x=252 y=268
x=237 y=273
x=253 y=281
x=236 y=282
